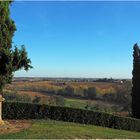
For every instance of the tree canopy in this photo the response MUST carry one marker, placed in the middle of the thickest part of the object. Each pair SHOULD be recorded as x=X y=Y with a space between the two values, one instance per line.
x=11 y=57
x=136 y=83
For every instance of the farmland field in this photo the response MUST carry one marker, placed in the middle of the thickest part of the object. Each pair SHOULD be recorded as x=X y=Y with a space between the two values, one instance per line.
x=74 y=94
x=103 y=87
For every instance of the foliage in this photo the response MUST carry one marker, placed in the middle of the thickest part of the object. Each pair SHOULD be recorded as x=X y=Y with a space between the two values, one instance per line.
x=59 y=100
x=11 y=60
x=13 y=96
x=13 y=110
x=90 y=93
x=116 y=100
x=98 y=107
x=68 y=91
x=123 y=96
x=61 y=92
x=136 y=82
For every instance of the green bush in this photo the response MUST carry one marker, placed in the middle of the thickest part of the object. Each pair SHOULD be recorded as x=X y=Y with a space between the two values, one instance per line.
x=68 y=91
x=90 y=93
x=12 y=110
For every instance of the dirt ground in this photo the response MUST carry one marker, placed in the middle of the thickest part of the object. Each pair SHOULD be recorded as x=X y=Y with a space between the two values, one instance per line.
x=11 y=126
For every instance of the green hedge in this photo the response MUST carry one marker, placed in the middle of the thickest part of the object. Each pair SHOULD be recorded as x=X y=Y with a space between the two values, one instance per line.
x=12 y=110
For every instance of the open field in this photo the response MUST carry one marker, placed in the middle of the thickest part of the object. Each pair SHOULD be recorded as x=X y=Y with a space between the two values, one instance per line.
x=75 y=103
x=102 y=87
x=53 y=93
x=49 y=129
x=81 y=103
x=31 y=93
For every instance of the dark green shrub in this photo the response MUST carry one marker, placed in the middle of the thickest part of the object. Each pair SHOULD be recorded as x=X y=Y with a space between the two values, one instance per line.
x=90 y=93
x=136 y=81
x=69 y=90
x=12 y=110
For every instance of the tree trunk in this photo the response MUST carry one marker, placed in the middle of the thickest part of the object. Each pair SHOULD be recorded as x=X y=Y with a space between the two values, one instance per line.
x=1 y=100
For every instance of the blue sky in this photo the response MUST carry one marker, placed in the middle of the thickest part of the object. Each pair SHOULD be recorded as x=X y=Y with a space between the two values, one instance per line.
x=78 y=39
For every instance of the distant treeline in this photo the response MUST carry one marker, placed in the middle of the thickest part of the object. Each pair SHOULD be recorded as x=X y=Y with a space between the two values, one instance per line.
x=23 y=79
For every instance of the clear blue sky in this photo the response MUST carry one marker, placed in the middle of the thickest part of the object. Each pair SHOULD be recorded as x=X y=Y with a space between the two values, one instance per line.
x=78 y=39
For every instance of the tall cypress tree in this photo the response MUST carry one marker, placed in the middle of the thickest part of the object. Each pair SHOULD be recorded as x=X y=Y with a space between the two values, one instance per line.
x=136 y=83
x=11 y=59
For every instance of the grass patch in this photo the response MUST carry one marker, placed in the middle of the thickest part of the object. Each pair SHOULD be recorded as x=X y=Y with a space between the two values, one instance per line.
x=76 y=103
x=63 y=130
